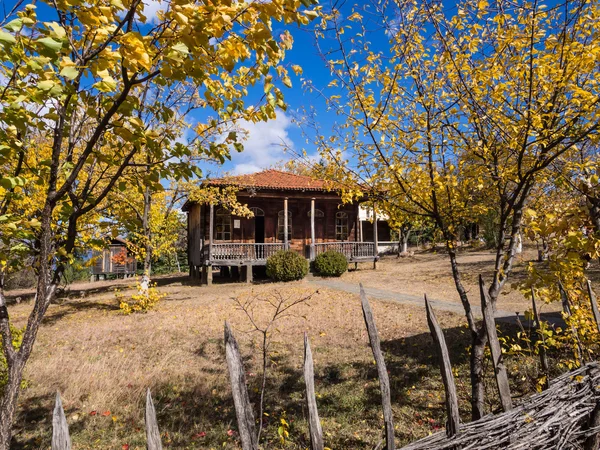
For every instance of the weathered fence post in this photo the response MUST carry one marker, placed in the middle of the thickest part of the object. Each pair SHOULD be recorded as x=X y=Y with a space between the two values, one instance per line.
x=243 y=409
x=314 y=424
x=566 y=303
x=453 y=422
x=496 y=350
x=594 y=304
x=384 y=381
x=537 y=327
x=153 y=441
x=60 y=428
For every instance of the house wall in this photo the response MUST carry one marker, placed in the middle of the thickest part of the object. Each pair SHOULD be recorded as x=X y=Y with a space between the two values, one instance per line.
x=298 y=204
x=195 y=234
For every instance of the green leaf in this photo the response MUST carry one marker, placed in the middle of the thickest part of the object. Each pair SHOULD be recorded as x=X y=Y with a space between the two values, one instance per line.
x=14 y=25
x=7 y=38
x=69 y=72
x=181 y=48
x=46 y=85
x=108 y=84
x=50 y=44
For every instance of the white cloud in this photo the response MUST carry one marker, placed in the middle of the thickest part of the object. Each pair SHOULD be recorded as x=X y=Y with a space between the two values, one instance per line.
x=264 y=144
x=152 y=7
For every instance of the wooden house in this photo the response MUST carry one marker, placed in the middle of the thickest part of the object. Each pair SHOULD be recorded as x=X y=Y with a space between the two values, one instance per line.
x=289 y=212
x=116 y=259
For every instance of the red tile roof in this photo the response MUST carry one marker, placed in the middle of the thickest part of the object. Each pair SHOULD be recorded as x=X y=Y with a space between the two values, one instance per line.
x=273 y=179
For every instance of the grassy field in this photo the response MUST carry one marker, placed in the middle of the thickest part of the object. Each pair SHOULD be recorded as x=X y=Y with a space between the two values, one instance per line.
x=102 y=362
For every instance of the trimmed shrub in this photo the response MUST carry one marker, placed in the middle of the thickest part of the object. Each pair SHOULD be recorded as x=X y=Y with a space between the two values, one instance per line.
x=331 y=264
x=287 y=265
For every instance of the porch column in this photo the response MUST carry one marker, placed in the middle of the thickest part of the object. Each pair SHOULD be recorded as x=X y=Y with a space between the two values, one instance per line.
x=360 y=231
x=375 y=237
x=211 y=225
x=285 y=223
x=312 y=228
x=207 y=264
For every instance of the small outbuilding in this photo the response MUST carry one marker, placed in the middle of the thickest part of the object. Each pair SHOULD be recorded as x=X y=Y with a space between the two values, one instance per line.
x=115 y=260
x=290 y=211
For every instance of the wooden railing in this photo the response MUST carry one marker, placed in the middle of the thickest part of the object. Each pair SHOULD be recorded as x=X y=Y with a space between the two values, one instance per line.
x=244 y=251
x=352 y=250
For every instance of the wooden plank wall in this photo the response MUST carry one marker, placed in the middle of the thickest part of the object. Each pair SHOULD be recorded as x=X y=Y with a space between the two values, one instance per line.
x=194 y=235
x=300 y=208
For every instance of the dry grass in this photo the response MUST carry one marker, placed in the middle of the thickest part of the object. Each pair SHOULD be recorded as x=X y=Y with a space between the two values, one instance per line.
x=102 y=361
x=429 y=272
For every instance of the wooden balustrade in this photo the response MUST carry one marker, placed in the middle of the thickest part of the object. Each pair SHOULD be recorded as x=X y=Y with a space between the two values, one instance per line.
x=244 y=252
x=354 y=251
x=236 y=253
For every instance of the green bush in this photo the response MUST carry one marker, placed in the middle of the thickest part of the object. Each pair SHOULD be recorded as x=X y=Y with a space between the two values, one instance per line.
x=331 y=263
x=287 y=265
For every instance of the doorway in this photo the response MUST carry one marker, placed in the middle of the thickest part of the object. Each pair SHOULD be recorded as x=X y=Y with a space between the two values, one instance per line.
x=259 y=230
x=259 y=236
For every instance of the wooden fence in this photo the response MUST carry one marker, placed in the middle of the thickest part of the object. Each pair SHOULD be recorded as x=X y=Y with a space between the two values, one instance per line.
x=566 y=415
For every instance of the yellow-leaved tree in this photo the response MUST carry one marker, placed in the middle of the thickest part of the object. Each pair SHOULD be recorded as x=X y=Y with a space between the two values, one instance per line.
x=86 y=86
x=457 y=115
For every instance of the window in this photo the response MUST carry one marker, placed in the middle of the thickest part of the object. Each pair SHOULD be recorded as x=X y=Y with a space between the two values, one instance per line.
x=318 y=213
x=258 y=212
x=280 y=225
x=223 y=225
x=341 y=226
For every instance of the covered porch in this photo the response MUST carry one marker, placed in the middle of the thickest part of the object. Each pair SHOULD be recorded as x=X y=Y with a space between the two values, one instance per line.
x=289 y=212
x=243 y=256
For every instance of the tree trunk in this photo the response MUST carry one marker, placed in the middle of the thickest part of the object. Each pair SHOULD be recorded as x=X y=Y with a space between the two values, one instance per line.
x=16 y=360
x=405 y=236
x=147 y=233
x=478 y=342
x=8 y=404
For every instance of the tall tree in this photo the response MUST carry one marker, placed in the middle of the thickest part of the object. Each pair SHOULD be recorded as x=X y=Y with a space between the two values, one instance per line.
x=464 y=111
x=78 y=86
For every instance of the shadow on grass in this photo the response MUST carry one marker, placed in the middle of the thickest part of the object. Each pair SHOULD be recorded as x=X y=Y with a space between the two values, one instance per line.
x=194 y=414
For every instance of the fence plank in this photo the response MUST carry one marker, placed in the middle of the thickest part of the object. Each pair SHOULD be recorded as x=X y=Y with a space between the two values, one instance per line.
x=60 y=429
x=567 y=310
x=594 y=304
x=314 y=424
x=566 y=305
x=243 y=409
x=152 y=431
x=453 y=423
x=384 y=381
x=497 y=360
x=537 y=327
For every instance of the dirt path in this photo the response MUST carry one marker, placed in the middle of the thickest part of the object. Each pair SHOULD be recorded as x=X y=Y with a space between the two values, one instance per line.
x=406 y=299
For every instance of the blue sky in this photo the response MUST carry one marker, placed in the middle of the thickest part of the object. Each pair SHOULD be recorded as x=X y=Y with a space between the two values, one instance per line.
x=265 y=142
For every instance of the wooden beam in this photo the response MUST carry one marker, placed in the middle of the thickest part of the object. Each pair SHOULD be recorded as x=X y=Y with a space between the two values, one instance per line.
x=314 y=424
x=384 y=381
x=594 y=304
x=153 y=441
x=360 y=229
x=453 y=422
x=375 y=238
x=211 y=226
x=285 y=222
x=237 y=377
x=312 y=228
x=60 y=429
x=537 y=327
x=497 y=360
